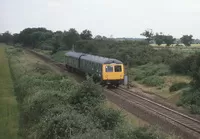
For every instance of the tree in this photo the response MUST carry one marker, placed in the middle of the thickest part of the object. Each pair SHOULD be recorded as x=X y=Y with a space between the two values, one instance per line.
x=168 y=39
x=6 y=37
x=56 y=43
x=15 y=38
x=1 y=37
x=86 y=35
x=186 y=40
x=70 y=37
x=33 y=36
x=148 y=34
x=159 y=38
x=98 y=37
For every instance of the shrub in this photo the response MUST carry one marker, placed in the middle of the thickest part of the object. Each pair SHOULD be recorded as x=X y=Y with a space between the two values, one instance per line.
x=94 y=134
x=177 y=86
x=194 y=109
x=107 y=118
x=39 y=103
x=46 y=47
x=64 y=125
x=139 y=133
x=153 y=80
x=190 y=98
x=87 y=96
x=59 y=56
x=149 y=69
x=182 y=66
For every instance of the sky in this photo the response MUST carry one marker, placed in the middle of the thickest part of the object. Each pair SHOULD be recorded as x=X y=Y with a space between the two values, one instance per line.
x=119 y=18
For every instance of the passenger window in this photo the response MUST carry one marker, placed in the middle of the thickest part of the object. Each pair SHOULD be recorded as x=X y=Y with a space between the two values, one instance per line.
x=109 y=68
x=118 y=68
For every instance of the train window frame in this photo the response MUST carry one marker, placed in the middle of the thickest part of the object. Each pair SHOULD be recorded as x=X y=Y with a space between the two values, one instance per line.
x=116 y=67
x=109 y=70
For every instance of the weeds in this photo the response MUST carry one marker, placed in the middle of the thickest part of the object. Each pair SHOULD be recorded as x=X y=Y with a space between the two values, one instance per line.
x=153 y=81
x=177 y=86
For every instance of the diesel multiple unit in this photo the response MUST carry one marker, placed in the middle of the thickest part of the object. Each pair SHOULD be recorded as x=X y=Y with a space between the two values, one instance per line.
x=107 y=71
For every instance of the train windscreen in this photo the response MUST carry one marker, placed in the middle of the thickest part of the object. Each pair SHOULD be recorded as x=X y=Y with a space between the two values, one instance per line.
x=118 y=68
x=109 y=68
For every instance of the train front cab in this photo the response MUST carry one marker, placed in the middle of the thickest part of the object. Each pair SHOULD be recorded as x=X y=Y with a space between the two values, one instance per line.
x=113 y=74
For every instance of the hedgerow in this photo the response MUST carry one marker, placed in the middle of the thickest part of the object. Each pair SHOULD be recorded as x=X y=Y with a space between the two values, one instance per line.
x=53 y=106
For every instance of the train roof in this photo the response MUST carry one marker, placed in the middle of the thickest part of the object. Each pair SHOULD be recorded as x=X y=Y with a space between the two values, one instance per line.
x=93 y=58
x=74 y=54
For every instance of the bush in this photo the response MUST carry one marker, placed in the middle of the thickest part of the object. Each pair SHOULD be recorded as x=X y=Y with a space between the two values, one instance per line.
x=177 y=86
x=65 y=124
x=194 y=109
x=183 y=66
x=39 y=103
x=107 y=118
x=139 y=133
x=87 y=96
x=191 y=99
x=59 y=56
x=149 y=69
x=94 y=134
x=153 y=80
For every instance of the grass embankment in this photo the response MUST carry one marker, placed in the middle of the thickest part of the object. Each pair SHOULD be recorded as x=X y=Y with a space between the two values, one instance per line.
x=54 y=106
x=58 y=57
x=8 y=105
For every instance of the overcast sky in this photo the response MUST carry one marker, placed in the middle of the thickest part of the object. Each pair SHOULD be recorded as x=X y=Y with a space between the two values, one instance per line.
x=120 y=18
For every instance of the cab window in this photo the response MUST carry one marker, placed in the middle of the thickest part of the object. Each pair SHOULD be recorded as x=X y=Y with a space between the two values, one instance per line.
x=118 y=68
x=109 y=68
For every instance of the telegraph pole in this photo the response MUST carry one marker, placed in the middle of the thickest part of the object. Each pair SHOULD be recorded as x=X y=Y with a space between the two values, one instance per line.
x=73 y=47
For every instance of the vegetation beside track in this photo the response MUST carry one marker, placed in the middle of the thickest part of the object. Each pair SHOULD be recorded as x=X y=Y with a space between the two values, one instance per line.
x=54 y=106
x=9 y=112
x=152 y=70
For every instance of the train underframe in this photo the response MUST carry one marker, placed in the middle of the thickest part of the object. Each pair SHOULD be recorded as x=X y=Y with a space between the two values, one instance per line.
x=109 y=83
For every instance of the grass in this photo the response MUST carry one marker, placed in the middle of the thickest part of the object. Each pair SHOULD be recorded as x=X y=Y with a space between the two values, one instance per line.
x=157 y=79
x=184 y=50
x=192 y=45
x=59 y=56
x=8 y=105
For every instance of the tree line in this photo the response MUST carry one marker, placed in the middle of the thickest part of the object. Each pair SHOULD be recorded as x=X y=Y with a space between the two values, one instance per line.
x=43 y=38
x=160 y=38
x=47 y=39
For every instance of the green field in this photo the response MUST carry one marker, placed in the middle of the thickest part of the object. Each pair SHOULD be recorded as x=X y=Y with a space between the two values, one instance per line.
x=8 y=104
x=192 y=45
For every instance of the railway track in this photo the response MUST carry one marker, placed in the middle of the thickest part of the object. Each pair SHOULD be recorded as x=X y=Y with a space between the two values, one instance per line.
x=186 y=124
x=154 y=113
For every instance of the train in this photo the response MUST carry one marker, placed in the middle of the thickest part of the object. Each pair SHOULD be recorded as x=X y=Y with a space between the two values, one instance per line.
x=107 y=71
